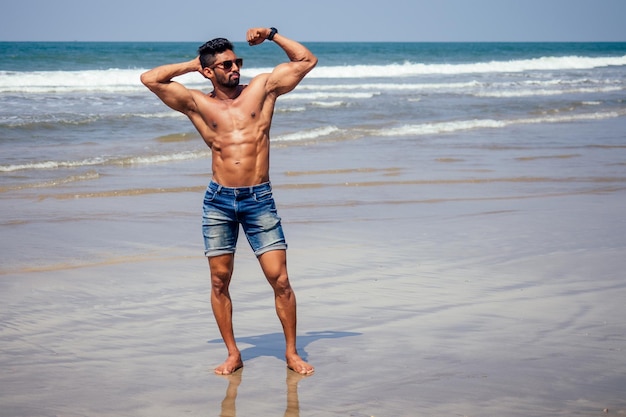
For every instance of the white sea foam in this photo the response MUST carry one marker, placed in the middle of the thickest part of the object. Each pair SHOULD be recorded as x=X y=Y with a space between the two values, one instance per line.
x=392 y=86
x=460 y=86
x=87 y=176
x=112 y=80
x=328 y=104
x=307 y=134
x=156 y=158
x=159 y=115
x=439 y=127
x=52 y=164
x=127 y=80
x=320 y=95
x=545 y=92
x=97 y=161
x=413 y=69
x=421 y=129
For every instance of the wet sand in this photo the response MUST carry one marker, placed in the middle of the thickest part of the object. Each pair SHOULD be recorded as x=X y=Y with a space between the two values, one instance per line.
x=446 y=282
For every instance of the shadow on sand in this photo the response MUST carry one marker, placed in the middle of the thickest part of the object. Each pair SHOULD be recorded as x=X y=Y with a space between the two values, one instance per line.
x=273 y=344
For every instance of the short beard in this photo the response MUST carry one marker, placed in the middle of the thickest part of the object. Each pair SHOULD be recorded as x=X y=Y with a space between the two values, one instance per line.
x=228 y=82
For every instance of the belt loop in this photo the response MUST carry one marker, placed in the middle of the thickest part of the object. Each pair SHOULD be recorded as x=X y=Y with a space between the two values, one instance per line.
x=219 y=188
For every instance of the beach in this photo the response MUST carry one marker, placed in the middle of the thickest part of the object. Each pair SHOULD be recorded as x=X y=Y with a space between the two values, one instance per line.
x=441 y=267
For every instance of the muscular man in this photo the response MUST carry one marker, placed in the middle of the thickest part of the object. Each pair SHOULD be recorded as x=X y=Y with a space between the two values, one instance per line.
x=234 y=120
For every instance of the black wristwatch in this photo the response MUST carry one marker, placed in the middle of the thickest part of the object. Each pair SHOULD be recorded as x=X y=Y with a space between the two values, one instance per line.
x=273 y=31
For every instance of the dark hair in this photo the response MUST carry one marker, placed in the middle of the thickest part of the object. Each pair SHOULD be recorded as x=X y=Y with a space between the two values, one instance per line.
x=208 y=51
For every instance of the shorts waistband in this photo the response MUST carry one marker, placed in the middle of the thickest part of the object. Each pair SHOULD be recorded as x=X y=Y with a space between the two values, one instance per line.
x=220 y=189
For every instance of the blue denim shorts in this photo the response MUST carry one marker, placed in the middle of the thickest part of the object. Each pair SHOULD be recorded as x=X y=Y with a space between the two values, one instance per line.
x=225 y=208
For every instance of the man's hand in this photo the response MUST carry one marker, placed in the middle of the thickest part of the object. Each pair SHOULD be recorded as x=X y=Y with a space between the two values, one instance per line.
x=256 y=36
x=196 y=61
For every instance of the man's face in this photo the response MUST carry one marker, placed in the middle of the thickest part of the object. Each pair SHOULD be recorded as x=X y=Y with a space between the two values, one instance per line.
x=226 y=77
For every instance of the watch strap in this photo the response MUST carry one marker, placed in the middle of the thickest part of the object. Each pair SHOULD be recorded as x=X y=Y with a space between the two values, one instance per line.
x=273 y=31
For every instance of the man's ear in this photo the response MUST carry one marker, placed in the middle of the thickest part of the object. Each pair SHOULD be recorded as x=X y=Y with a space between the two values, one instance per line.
x=207 y=72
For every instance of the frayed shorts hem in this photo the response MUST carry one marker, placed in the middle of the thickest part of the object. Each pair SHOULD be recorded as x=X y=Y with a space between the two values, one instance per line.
x=259 y=252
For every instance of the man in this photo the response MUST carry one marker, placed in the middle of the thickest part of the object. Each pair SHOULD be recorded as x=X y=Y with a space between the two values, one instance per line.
x=234 y=120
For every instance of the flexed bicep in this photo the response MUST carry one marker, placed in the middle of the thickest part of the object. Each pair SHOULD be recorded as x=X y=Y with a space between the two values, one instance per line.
x=285 y=77
x=175 y=95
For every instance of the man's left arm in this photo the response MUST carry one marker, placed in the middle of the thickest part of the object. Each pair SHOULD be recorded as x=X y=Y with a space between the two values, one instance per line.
x=285 y=77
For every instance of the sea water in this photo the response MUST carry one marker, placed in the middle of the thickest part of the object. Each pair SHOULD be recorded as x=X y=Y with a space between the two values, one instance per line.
x=75 y=121
x=75 y=107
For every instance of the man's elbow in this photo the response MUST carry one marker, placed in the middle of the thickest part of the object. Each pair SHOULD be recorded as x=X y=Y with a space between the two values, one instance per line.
x=146 y=79
x=311 y=61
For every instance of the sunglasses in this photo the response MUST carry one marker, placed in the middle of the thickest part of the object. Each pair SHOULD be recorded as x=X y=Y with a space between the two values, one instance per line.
x=229 y=64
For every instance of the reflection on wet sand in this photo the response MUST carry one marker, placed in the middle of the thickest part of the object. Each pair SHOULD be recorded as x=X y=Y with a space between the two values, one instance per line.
x=229 y=409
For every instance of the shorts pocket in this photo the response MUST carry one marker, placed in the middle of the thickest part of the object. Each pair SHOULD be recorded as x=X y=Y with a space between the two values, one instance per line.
x=263 y=196
x=209 y=196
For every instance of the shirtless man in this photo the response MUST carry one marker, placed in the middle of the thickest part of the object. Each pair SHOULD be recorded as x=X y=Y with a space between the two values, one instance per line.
x=234 y=120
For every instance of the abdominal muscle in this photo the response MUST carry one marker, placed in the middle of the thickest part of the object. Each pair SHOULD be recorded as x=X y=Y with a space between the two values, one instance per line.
x=237 y=131
x=240 y=163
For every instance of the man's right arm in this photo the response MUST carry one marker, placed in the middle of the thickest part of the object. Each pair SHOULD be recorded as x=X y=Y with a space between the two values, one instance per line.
x=286 y=76
x=175 y=95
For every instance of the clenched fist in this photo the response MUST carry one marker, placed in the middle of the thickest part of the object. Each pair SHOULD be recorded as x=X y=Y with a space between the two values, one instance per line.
x=256 y=36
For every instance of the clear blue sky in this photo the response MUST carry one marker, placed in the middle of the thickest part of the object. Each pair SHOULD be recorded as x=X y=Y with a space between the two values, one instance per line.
x=314 y=20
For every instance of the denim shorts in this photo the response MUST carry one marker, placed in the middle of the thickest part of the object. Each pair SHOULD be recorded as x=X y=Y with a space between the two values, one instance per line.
x=225 y=208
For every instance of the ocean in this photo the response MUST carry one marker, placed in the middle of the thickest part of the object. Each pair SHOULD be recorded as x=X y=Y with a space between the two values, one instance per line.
x=74 y=116
x=67 y=109
x=454 y=214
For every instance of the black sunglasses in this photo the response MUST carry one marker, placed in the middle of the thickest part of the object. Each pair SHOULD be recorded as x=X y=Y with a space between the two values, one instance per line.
x=229 y=64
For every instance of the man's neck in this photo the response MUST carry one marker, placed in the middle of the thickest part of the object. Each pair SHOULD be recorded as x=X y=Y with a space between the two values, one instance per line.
x=227 y=93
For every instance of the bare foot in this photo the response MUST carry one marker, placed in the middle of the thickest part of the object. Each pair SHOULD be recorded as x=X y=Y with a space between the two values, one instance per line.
x=296 y=364
x=232 y=364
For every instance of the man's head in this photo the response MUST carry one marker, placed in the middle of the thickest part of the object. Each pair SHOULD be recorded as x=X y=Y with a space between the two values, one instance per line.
x=219 y=63
x=209 y=50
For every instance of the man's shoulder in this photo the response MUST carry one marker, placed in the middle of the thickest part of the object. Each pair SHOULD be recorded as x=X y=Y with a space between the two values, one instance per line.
x=260 y=78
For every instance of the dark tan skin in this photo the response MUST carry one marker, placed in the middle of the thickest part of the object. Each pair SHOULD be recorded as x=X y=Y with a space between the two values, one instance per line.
x=234 y=121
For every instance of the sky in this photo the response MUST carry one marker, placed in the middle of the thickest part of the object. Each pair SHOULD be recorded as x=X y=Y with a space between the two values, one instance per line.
x=315 y=20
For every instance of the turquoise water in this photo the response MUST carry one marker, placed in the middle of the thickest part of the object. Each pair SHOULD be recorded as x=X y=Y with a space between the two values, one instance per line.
x=78 y=56
x=71 y=106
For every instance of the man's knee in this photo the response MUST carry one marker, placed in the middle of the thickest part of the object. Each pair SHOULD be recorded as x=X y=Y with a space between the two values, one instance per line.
x=221 y=272
x=281 y=285
x=220 y=278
